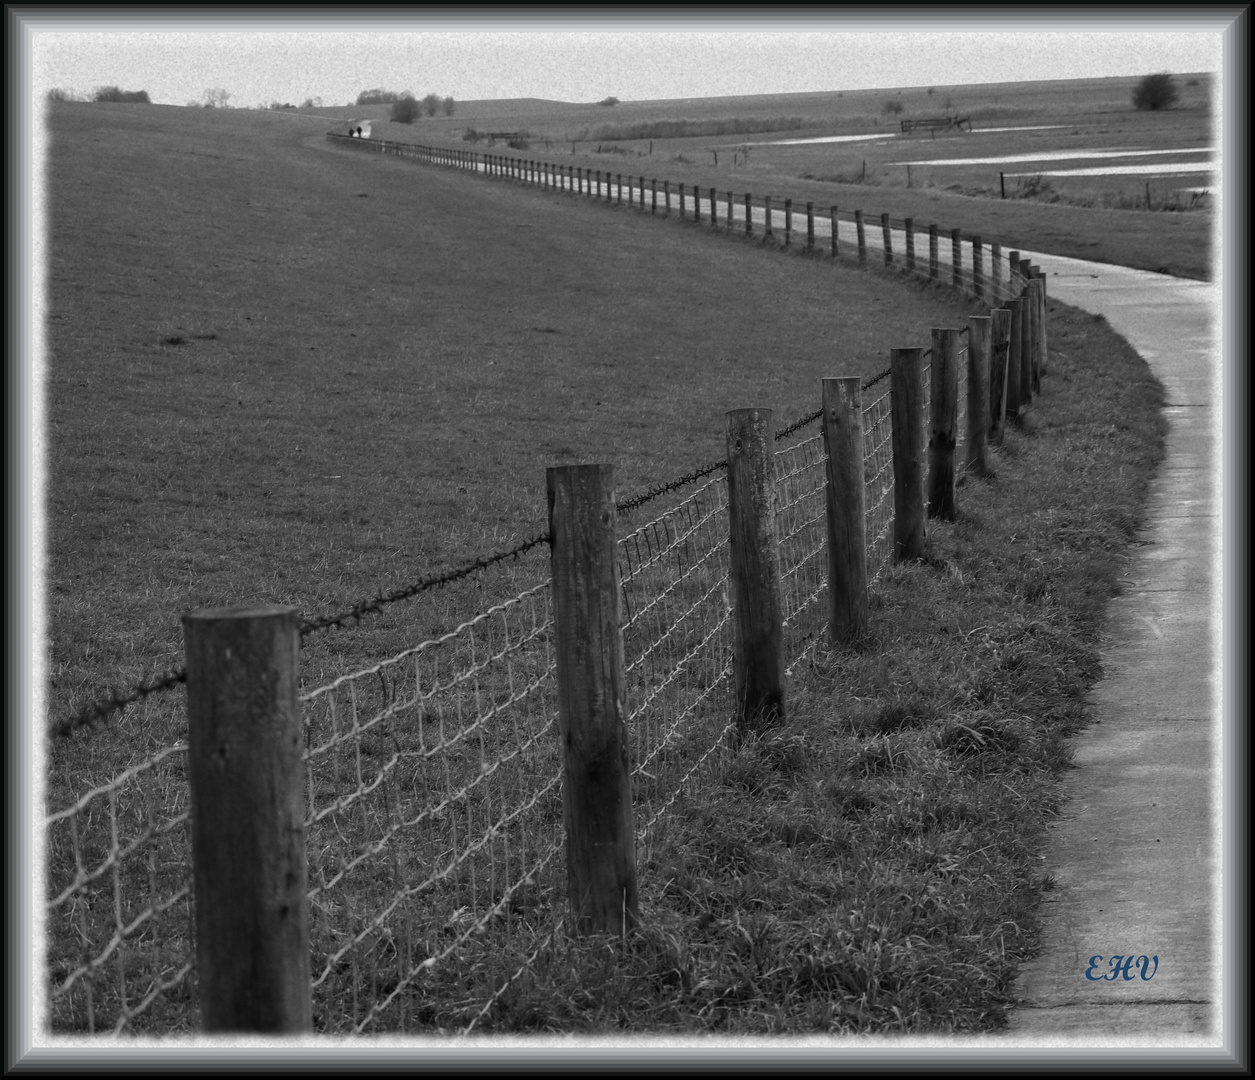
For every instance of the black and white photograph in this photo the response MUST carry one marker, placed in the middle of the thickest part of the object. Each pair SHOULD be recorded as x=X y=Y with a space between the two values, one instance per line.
x=601 y=540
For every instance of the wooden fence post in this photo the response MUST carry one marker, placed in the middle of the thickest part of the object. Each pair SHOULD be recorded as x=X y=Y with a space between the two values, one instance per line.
x=978 y=269
x=767 y=213
x=888 y=238
x=1034 y=304
x=714 y=208
x=943 y=414
x=683 y=211
x=862 y=237
x=247 y=780
x=1015 y=382
x=754 y=567
x=910 y=244
x=653 y=196
x=810 y=226
x=995 y=272
x=1042 y=337
x=1026 y=345
x=846 y=508
x=979 y=333
x=729 y=211
x=749 y=215
x=906 y=368
x=833 y=218
x=588 y=652
x=934 y=267
x=788 y=222
x=999 y=355
x=956 y=255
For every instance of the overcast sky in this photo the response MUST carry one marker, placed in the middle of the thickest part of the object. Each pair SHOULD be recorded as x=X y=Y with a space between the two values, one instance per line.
x=263 y=58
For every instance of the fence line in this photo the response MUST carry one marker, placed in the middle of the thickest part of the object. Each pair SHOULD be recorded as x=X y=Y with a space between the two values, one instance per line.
x=433 y=778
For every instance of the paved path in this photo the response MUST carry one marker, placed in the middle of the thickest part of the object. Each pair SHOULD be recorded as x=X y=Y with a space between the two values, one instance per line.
x=1136 y=853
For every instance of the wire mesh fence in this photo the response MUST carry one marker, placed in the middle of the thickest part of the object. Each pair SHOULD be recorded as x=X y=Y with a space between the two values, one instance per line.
x=678 y=649
x=878 y=478
x=802 y=529
x=434 y=814
x=118 y=915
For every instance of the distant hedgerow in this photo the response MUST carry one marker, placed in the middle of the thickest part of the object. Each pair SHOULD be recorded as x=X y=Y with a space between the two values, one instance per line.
x=113 y=93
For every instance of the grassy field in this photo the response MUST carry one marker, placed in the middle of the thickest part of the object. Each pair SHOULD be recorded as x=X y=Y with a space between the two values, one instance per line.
x=286 y=372
x=1098 y=218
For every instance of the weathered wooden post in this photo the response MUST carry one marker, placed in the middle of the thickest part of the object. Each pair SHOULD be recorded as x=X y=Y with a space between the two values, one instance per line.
x=749 y=215
x=956 y=254
x=862 y=237
x=666 y=195
x=588 y=648
x=246 y=776
x=767 y=234
x=888 y=239
x=754 y=569
x=810 y=226
x=833 y=219
x=1035 y=321
x=942 y=436
x=910 y=244
x=618 y=190
x=906 y=372
x=1042 y=337
x=653 y=196
x=995 y=272
x=978 y=268
x=1026 y=340
x=683 y=207
x=999 y=356
x=846 y=508
x=1015 y=383
x=714 y=208
x=979 y=334
x=697 y=202
x=729 y=211
x=934 y=267
x=788 y=222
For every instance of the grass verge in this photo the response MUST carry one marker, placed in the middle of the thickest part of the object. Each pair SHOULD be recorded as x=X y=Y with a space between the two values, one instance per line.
x=872 y=865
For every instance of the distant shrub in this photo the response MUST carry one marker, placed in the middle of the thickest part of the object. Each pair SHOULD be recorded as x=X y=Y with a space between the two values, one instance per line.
x=112 y=93
x=471 y=135
x=57 y=94
x=609 y=101
x=405 y=110
x=893 y=107
x=432 y=104
x=518 y=144
x=1155 y=92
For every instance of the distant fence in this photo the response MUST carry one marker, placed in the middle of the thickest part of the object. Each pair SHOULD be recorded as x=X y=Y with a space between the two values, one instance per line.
x=455 y=806
x=936 y=123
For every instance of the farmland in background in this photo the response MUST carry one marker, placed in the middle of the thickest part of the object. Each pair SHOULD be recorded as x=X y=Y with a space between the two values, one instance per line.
x=1098 y=218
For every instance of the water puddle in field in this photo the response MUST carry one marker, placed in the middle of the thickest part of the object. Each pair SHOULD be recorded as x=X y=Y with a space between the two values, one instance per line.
x=1060 y=155
x=1165 y=169
x=890 y=135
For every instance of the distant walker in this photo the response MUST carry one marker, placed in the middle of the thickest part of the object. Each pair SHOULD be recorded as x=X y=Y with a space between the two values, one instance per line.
x=359 y=129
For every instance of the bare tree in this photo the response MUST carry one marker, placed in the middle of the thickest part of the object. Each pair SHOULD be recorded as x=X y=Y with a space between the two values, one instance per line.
x=448 y=106
x=432 y=104
x=217 y=98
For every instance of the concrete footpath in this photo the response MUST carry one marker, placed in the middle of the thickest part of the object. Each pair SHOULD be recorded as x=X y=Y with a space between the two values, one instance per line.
x=1136 y=852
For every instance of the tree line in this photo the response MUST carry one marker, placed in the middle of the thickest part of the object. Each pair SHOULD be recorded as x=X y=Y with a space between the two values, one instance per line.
x=406 y=108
